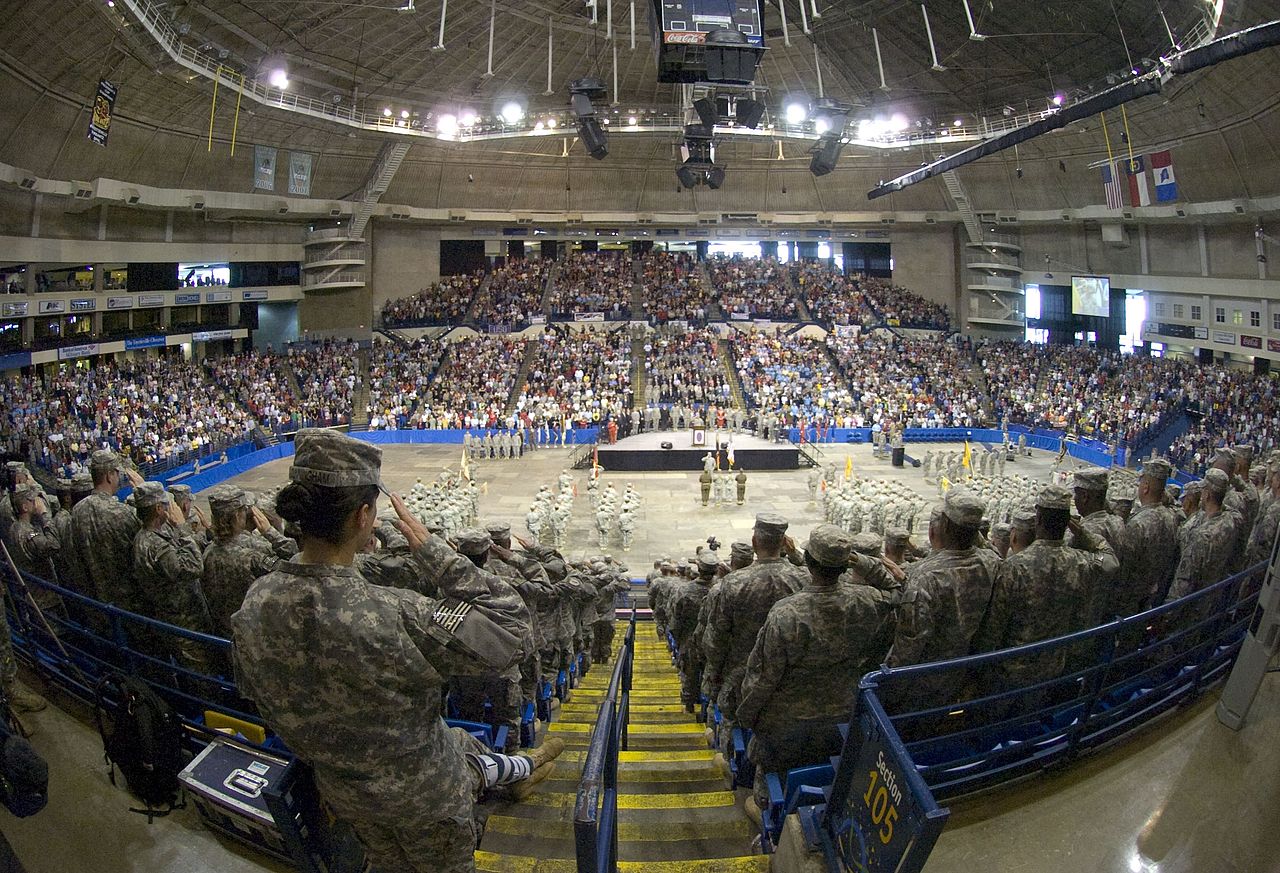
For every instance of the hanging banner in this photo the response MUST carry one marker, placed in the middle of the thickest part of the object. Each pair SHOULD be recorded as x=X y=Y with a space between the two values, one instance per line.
x=51 y=307
x=264 y=168
x=119 y=302
x=104 y=103
x=300 y=174
x=66 y=353
x=145 y=342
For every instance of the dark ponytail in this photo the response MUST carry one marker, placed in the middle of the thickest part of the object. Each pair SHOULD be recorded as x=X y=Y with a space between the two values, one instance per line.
x=322 y=512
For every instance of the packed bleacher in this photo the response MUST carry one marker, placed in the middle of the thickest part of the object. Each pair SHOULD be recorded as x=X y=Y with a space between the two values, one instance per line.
x=473 y=384
x=915 y=382
x=584 y=377
x=793 y=377
x=901 y=307
x=328 y=374
x=831 y=296
x=683 y=366
x=399 y=378
x=259 y=380
x=673 y=289
x=594 y=282
x=154 y=412
x=1228 y=407
x=443 y=302
x=514 y=293
x=747 y=288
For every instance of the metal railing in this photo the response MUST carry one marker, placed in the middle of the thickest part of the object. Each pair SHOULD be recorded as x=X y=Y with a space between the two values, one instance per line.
x=344 y=253
x=318 y=281
x=595 y=813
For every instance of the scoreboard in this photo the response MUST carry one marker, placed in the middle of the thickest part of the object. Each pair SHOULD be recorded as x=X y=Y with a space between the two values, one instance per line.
x=681 y=27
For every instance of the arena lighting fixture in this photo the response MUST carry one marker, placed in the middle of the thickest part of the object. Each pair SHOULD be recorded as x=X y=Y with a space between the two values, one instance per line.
x=468 y=118
x=512 y=112
x=386 y=112
x=748 y=112
x=447 y=124
x=582 y=93
x=698 y=158
x=404 y=113
x=795 y=111
x=278 y=77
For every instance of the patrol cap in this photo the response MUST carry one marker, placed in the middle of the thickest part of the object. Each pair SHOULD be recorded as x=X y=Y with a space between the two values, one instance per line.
x=472 y=542
x=1192 y=488
x=149 y=494
x=964 y=508
x=226 y=498
x=1157 y=468
x=81 y=482
x=334 y=460
x=29 y=491
x=1000 y=531
x=1054 y=497
x=829 y=546
x=16 y=465
x=741 y=550
x=896 y=536
x=1224 y=455
x=707 y=562
x=1244 y=452
x=180 y=492
x=1123 y=494
x=1173 y=491
x=1024 y=521
x=104 y=459
x=865 y=544
x=771 y=523
x=498 y=530
x=1091 y=479
x=64 y=483
x=1216 y=481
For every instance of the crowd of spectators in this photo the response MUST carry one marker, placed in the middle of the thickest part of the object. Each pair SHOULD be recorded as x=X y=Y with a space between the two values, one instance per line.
x=683 y=367
x=328 y=375
x=673 y=289
x=515 y=292
x=446 y=301
x=582 y=376
x=793 y=377
x=916 y=383
x=589 y=282
x=832 y=297
x=399 y=377
x=154 y=412
x=258 y=379
x=751 y=288
x=473 y=384
x=901 y=307
x=1228 y=407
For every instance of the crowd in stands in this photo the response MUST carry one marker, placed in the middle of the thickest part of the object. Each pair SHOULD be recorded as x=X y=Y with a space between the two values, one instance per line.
x=154 y=412
x=259 y=381
x=440 y=302
x=515 y=292
x=751 y=288
x=473 y=384
x=832 y=297
x=915 y=383
x=793 y=377
x=399 y=377
x=328 y=374
x=903 y=308
x=583 y=377
x=682 y=366
x=1228 y=407
x=673 y=289
x=594 y=282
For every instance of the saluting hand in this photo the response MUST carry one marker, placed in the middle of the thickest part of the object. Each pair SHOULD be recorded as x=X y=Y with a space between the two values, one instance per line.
x=414 y=531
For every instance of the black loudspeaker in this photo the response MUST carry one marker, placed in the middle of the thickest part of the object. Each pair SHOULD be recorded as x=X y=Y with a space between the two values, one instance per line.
x=667 y=445
x=915 y=462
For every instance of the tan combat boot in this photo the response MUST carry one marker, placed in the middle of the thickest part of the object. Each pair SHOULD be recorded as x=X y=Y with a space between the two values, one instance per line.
x=22 y=700
x=546 y=753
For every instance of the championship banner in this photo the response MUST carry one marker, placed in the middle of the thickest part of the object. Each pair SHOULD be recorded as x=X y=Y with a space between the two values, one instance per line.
x=104 y=103
x=300 y=174
x=264 y=168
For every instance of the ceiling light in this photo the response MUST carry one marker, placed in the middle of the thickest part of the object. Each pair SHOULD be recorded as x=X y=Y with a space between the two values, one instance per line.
x=796 y=112
x=1058 y=99
x=512 y=112
x=538 y=126
x=551 y=123
x=278 y=78
x=467 y=118
x=386 y=112
x=632 y=120
x=404 y=113
x=821 y=125
x=957 y=123
x=898 y=123
x=447 y=124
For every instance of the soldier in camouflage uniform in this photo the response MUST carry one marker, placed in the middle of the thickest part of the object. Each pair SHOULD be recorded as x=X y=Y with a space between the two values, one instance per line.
x=1208 y=545
x=523 y=572
x=1150 y=551
x=1263 y=536
x=740 y=555
x=167 y=565
x=803 y=670
x=32 y=542
x=102 y=534
x=1091 y=501
x=1046 y=590
x=350 y=674
x=1243 y=498
x=237 y=555
x=740 y=608
x=682 y=610
x=33 y=537
x=63 y=560
x=943 y=603
x=1022 y=531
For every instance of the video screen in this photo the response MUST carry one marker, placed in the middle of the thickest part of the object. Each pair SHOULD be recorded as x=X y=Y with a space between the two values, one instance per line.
x=1091 y=295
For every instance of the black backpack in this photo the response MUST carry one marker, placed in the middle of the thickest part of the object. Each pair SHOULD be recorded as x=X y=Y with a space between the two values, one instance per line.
x=144 y=740
x=24 y=775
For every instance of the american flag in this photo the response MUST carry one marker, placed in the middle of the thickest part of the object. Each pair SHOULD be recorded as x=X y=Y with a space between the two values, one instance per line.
x=1111 y=185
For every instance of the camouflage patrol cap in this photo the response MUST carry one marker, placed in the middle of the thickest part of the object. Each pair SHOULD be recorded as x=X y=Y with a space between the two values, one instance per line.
x=334 y=460
x=1224 y=455
x=896 y=536
x=964 y=508
x=866 y=544
x=1173 y=491
x=149 y=494
x=104 y=459
x=771 y=523
x=180 y=492
x=64 y=483
x=1054 y=497
x=498 y=530
x=1123 y=494
x=1244 y=452
x=1157 y=468
x=741 y=550
x=1091 y=479
x=226 y=498
x=29 y=491
x=1023 y=521
x=1000 y=531
x=15 y=465
x=1216 y=481
x=1192 y=488
x=829 y=546
x=81 y=482
x=707 y=562
x=472 y=542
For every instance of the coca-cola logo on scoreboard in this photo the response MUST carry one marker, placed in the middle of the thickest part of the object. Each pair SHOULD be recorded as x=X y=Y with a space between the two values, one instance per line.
x=685 y=36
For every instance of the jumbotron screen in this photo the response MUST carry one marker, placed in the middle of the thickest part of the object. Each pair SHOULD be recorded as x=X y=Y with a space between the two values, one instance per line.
x=1091 y=295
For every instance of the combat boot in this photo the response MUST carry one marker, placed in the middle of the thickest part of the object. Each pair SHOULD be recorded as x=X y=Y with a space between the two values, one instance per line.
x=520 y=790
x=752 y=809
x=545 y=753
x=22 y=700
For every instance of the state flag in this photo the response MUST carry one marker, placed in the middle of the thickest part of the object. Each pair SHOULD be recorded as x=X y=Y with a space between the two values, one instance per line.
x=1162 y=174
x=1136 y=170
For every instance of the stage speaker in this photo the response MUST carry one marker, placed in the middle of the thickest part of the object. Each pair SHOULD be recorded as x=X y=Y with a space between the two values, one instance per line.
x=667 y=445
x=915 y=462
x=724 y=446
x=898 y=456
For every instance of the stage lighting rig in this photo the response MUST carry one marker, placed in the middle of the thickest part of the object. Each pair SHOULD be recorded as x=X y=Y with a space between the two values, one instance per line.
x=830 y=117
x=698 y=158
x=582 y=93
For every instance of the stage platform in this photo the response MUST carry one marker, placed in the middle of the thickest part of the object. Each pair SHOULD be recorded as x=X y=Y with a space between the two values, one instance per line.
x=645 y=452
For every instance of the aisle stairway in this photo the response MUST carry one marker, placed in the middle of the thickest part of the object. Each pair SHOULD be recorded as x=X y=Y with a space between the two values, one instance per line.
x=526 y=363
x=481 y=295
x=730 y=366
x=638 y=380
x=675 y=814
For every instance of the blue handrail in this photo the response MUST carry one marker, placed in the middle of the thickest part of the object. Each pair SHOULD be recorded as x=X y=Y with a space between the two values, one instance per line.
x=595 y=812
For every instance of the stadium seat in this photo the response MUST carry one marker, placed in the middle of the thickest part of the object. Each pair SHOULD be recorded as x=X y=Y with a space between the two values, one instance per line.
x=805 y=786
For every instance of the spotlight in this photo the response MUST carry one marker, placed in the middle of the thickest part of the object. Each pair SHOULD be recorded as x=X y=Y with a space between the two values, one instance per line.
x=551 y=124
x=581 y=94
x=386 y=112
x=796 y=112
x=468 y=118
x=957 y=123
x=706 y=109
x=404 y=113
x=512 y=112
x=825 y=155
x=715 y=177
x=278 y=78
x=821 y=125
x=698 y=155
x=632 y=120
x=447 y=124
x=1058 y=99
x=748 y=112
x=593 y=137
x=898 y=123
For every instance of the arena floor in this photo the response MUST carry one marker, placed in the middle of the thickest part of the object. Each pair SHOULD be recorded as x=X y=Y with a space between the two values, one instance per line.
x=1185 y=796
x=672 y=519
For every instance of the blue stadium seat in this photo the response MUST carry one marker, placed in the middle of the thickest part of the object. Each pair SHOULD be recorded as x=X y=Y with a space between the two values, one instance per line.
x=485 y=733
x=743 y=770
x=805 y=786
x=527 y=728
